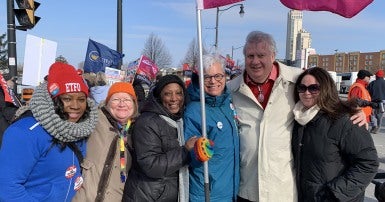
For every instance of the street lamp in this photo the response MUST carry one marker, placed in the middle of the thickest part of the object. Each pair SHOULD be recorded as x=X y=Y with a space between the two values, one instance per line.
x=232 y=51
x=241 y=13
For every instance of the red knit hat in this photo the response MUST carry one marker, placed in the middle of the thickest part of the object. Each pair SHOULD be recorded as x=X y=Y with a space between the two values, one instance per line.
x=63 y=78
x=380 y=73
x=121 y=87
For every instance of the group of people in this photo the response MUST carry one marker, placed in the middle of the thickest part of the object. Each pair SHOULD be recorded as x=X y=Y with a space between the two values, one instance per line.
x=278 y=133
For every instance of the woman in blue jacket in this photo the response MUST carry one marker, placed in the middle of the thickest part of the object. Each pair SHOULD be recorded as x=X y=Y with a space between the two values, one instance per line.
x=221 y=129
x=42 y=151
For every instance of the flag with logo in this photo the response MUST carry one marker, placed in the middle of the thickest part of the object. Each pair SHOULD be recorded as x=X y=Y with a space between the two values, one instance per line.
x=99 y=56
x=206 y=4
x=146 y=71
x=345 y=8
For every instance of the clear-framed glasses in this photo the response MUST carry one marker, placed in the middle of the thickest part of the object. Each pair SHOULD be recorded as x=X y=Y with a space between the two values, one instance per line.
x=313 y=88
x=124 y=100
x=217 y=77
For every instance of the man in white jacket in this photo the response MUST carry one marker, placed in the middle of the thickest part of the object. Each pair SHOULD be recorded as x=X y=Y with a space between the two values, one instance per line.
x=263 y=97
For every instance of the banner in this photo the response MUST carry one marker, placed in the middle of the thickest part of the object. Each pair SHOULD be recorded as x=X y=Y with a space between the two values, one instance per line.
x=345 y=8
x=99 y=56
x=146 y=71
x=113 y=75
x=206 y=4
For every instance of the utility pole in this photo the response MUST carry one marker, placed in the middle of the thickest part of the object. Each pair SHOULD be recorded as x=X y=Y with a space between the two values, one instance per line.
x=11 y=34
x=119 y=40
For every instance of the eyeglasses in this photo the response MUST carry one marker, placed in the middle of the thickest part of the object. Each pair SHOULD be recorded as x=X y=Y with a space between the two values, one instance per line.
x=217 y=77
x=313 y=88
x=118 y=100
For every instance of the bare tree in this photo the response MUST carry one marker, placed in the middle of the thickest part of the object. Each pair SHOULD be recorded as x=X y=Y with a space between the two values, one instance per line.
x=157 y=51
x=3 y=52
x=192 y=55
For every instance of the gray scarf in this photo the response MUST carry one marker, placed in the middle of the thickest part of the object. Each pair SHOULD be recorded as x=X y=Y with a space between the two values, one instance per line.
x=42 y=108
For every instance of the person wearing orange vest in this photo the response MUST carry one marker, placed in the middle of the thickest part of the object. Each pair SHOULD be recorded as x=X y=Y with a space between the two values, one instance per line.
x=358 y=90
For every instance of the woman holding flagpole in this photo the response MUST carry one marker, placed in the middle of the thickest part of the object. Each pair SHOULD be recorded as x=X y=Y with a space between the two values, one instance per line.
x=108 y=160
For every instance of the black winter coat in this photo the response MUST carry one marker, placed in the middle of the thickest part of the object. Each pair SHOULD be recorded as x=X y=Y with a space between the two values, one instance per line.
x=334 y=160
x=157 y=157
x=7 y=113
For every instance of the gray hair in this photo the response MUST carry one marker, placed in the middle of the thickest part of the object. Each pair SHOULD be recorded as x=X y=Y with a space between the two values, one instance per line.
x=258 y=37
x=210 y=59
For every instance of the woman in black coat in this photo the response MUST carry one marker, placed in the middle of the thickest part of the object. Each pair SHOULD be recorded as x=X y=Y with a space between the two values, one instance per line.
x=335 y=160
x=159 y=151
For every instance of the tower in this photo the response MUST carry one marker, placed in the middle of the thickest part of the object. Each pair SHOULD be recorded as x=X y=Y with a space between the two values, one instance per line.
x=294 y=26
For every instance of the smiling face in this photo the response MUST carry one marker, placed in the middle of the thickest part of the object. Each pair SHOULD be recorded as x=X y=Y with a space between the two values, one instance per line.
x=74 y=105
x=258 y=61
x=121 y=106
x=310 y=95
x=214 y=80
x=172 y=97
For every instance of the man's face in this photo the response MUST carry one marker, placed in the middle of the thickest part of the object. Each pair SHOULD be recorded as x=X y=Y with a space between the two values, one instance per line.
x=258 y=61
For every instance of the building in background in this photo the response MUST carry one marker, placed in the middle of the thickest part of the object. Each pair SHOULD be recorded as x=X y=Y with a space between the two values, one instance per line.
x=349 y=62
x=294 y=27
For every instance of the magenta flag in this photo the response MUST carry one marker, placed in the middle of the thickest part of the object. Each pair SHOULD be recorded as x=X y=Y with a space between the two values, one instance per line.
x=206 y=4
x=345 y=8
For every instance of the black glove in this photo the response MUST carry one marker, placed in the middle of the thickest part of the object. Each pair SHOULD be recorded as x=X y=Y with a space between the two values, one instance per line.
x=374 y=105
x=379 y=192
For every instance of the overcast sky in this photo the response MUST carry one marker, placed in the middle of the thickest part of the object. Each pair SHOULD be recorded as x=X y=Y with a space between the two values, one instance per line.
x=71 y=23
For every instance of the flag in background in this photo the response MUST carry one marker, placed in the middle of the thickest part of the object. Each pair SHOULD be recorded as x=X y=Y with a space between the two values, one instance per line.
x=146 y=71
x=345 y=8
x=131 y=70
x=99 y=56
x=206 y=4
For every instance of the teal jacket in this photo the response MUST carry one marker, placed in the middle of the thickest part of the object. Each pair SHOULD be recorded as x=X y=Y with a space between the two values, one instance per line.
x=222 y=130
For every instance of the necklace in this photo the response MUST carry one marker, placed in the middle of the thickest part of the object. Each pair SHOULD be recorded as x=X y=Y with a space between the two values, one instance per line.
x=260 y=97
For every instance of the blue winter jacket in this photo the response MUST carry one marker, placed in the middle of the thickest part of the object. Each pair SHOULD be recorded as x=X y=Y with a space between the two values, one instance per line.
x=222 y=130
x=32 y=169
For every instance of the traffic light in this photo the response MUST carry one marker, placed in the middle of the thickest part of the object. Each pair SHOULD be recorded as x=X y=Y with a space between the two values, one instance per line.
x=25 y=14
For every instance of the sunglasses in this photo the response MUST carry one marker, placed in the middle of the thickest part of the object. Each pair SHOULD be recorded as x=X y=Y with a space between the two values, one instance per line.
x=313 y=88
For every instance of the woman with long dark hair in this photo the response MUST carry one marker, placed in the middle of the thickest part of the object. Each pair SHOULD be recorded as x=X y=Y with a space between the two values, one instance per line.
x=335 y=160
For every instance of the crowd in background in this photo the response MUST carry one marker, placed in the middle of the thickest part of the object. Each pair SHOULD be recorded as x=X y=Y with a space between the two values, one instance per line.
x=274 y=133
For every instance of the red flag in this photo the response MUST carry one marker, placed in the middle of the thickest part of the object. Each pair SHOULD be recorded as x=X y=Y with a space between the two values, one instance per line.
x=345 y=8
x=206 y=4
x=147 y=68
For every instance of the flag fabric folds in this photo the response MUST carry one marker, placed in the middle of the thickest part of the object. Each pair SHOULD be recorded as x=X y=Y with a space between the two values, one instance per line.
x=345 y=8
x=146 y=71
x=206 y=4
x=99 y=56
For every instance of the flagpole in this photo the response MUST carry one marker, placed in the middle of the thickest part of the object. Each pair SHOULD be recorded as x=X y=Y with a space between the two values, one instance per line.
x=202 y=98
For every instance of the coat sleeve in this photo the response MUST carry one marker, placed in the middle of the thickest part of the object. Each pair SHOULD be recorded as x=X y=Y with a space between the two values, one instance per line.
x=149 y=138
x=192 y=127
x=362 y=163
x=18 y=154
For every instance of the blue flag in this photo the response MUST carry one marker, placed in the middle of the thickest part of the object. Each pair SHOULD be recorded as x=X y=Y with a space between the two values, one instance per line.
x=99 y=57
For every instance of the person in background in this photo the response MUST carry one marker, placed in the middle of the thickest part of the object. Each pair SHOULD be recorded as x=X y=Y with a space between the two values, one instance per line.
x=140 y=94
x=107 y=160
x=358 y=90
x=376 y=90
x=334 y=159
x=264 y=101
x=42 y=150
x=98 y=86
x=221 y=129
x=9 y=104
x=159 y=150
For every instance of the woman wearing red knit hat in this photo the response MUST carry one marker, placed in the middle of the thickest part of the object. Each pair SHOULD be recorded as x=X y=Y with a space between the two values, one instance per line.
x=42 y=150
x=108 y=160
